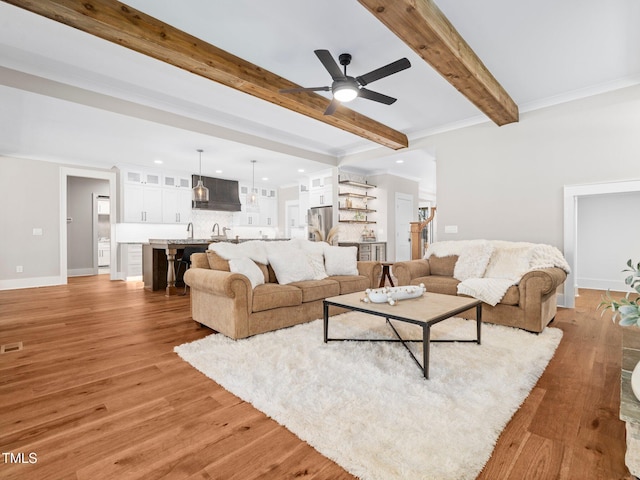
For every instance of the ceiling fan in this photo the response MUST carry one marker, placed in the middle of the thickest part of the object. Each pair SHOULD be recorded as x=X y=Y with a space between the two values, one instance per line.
x=346 y=88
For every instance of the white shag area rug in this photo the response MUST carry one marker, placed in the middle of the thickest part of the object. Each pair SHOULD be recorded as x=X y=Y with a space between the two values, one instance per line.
x=367 y=406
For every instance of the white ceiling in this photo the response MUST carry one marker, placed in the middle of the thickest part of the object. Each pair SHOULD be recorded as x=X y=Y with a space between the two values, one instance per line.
x=69 y=97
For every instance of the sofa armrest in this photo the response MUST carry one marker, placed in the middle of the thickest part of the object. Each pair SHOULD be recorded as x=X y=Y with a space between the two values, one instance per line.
x=547 y=280
x=217 y=282
x=407 y=271
x=371 y=270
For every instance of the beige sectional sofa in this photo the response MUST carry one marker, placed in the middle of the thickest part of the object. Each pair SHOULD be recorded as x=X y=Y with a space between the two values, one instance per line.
x=227 y=302
x=530 y=304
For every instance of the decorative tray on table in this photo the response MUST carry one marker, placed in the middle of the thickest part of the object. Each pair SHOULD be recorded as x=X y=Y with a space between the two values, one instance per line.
x=392 y=295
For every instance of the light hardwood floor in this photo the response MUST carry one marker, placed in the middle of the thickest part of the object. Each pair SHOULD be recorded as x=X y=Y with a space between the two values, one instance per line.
x=97 y=393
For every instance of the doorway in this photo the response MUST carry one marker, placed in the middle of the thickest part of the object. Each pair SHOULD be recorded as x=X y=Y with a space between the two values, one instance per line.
x=84 y=230
x=404 y=217
x=571 y=195
x=67 y=252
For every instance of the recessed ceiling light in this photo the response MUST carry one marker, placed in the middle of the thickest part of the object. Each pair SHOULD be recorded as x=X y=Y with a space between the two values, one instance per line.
x=399 y=161
x=159 y=162
x=264 y=179
x=301 y=170
x=218 y=171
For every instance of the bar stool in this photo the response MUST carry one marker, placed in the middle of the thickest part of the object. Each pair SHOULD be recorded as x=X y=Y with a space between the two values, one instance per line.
x=186 y=261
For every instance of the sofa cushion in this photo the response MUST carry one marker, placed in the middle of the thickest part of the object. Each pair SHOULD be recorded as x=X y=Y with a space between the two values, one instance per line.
x=352 y=283
x=443 y=266
x=272 y=295
x=317 y=289
x=438 y=284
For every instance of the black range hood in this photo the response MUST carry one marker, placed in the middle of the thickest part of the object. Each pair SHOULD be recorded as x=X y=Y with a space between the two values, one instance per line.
x=223 y=194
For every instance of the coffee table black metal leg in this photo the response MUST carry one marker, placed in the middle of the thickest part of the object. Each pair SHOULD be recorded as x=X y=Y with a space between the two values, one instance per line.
x=479 y=320
x=326 y=321
x=426 y=341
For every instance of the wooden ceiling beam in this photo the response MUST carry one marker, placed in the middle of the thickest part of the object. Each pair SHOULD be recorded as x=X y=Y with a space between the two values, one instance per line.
x=422 y=26
x=121 y=24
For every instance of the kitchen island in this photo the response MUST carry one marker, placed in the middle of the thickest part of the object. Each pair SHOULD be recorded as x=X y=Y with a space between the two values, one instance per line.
x=158 y=262
x=159 y=259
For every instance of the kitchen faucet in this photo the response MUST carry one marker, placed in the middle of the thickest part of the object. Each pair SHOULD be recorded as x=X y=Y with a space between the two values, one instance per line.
x=213 y=231
x=225 y=230
x=190 y=230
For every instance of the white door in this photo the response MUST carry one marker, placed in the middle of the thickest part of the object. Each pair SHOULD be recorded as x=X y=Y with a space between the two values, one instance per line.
x=404 y=215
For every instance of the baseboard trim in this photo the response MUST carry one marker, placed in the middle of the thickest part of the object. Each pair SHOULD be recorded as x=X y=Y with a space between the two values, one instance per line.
x=602 y=284
x=81 y=272
x=17 y=283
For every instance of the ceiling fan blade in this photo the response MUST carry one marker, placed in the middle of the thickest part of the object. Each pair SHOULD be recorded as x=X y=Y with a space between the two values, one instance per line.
x=332 y=107
x=330 y=64
x=375 y=96
x=385 y=71
x=304 y=89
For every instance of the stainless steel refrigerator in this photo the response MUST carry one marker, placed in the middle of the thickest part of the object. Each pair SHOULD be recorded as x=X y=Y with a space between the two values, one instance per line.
x=320 y=220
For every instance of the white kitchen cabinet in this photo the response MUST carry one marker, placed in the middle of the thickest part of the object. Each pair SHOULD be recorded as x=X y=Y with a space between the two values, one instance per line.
x=321 y=197
x=267 y=214
x=104 y=206
x=104 y=254
x=172 y=180
x=176 y=205
x=303 y=201
x=142 y=204
x=141 y=177
x=131 y=261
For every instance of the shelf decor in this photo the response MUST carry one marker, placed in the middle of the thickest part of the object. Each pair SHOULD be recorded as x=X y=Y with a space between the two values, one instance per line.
x=356 y=201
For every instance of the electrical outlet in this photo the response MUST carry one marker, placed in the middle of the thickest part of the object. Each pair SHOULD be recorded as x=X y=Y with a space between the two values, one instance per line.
x=37 y=231
x=19 y=269
x=450 y=229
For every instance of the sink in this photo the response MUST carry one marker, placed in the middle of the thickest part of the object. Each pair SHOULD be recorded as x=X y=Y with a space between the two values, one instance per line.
x=219 y=238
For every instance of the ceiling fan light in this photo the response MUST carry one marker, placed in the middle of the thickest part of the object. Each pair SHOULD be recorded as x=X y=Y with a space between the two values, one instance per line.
x=345 y=93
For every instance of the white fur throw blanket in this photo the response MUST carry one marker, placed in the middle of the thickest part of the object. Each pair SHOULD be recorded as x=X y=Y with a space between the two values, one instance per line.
x=487 y=268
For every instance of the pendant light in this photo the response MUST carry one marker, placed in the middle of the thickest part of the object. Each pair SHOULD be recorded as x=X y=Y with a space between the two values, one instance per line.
x=200 y=192
x=252 y=198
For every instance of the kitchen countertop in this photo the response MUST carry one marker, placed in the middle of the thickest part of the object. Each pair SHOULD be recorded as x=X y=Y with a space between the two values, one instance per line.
x=206 y=241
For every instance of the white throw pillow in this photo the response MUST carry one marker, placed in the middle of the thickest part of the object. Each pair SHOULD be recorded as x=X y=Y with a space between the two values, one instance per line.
x=341 y=260
x=316 y=248
x=254 y=249
x=472 y=261
x=248 y=268
x=509 y=263
x=291 y=266
x=317 y=264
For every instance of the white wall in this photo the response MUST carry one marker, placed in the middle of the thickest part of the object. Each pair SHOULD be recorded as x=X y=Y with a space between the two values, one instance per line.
x=29 y=198
x=607 y=233
x=507 y=182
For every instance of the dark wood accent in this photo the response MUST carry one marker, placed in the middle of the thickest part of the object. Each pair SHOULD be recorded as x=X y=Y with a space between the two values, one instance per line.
x=121 y=24
x=424 y=28
x=417 y=249
x=97 y=392
x=223 y=194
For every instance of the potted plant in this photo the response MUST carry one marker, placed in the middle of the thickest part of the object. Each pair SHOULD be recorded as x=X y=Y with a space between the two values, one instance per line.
x=627 y=309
